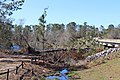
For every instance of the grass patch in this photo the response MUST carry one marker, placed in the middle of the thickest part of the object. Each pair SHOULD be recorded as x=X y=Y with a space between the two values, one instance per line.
x=72 y=73
x=108 y=71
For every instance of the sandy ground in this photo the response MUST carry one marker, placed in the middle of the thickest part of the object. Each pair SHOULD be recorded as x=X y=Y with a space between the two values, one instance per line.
x=9 y=63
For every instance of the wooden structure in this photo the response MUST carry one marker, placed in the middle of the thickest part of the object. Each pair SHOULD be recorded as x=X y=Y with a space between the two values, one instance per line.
x=109 y=42
x=8 y=71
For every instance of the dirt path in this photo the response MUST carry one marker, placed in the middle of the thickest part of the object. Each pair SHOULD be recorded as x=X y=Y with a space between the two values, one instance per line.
x=8 y=63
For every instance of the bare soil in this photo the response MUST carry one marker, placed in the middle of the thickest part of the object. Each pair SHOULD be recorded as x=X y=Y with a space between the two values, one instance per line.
x=8 y=61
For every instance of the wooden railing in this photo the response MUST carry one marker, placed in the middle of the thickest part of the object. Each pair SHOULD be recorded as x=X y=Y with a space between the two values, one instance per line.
x=11 y=70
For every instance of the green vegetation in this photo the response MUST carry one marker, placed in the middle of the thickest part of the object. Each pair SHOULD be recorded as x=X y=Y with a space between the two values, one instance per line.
x=107 y=71
x=72 y=73
x=51 y=35
x=107 y=68
x=54 y=35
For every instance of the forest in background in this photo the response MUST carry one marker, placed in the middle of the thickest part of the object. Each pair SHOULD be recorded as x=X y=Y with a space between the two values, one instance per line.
x=52 y=35
x=76 y=40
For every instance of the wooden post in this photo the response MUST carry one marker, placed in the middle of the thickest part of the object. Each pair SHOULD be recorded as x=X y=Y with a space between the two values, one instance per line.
x=8 y=74
x=35 y=59
x=16 y=69
x=22 y=64
x=38 y=58
x=31 y=60
x=21 y=77
x=32 y=72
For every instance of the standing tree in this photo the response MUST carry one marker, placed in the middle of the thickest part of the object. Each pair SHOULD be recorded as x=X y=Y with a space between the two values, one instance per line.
x=41 y=29
x=102 y=31
x=111 y=31
x=5 y=34
x=7 y=7
x=27 y=32
x=71 y=32
x=56 y=33
x=17 y=34
x=82 y=30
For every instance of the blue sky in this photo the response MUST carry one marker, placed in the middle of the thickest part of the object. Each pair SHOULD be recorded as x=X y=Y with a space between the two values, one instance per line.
x=94 y=12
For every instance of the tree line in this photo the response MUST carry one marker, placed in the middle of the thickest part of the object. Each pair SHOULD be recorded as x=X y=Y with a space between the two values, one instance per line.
x=52 y=35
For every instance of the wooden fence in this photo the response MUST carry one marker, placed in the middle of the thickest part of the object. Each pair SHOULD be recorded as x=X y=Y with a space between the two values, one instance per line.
x=8 y=71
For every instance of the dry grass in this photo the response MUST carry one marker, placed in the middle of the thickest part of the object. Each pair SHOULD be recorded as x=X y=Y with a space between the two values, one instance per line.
x=110 y=70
